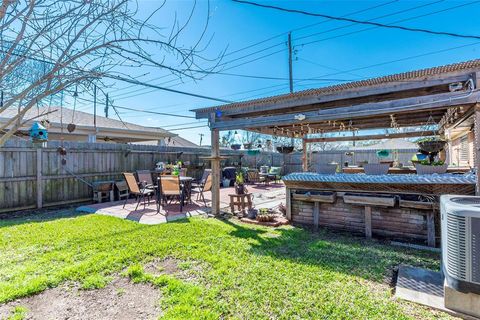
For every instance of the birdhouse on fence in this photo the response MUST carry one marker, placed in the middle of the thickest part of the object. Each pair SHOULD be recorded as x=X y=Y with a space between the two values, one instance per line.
x=38 y=133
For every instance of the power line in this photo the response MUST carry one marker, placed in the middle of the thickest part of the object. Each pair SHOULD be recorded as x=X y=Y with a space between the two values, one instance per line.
x=119 y=78
x=371 y=28
x=155 y=112
x=389 y=26
x=383 y=16
x=403 y=59
x=376 y=18
x=187 y=128
x=258 y=43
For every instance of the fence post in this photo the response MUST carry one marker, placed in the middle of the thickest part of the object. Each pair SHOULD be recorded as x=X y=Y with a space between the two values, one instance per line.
x=39 y=179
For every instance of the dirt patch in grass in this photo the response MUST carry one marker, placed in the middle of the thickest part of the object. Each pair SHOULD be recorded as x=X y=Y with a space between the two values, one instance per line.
x=165 y=266
x=121 y=299
x=185 y=270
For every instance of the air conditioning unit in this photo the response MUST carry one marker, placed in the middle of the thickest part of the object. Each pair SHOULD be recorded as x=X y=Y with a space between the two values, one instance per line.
x=460 y=225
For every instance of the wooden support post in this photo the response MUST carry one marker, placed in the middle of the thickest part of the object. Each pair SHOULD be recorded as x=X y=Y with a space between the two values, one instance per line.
x=368 y=222
x=39 y=179
x=288 y=203
x=316 y=214
x=305 y=156
x=431 y=228
x=215 y=137
x=476 y=154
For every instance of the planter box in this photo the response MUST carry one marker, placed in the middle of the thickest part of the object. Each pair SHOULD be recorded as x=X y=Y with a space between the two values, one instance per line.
x=326 y=197
x=369 y=200
x=423 y=169
x=376 y=168
x=327 y=168
x=422 y=205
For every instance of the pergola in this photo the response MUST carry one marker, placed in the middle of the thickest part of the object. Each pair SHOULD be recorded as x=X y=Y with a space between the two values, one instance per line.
x=444 y=95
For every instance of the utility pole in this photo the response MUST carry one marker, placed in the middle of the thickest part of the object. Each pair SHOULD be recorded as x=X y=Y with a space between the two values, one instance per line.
x=95 y=108
x=290 y=71
x=93 y=137
x=201 y=138
x=106 y=106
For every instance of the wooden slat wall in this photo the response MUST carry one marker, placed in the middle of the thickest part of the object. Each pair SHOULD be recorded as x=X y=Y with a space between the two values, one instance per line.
x=104 y=161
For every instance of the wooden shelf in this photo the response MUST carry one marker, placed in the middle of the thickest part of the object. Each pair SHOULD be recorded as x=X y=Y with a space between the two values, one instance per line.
x=326 y=197
x=369 y=200
x=422 y=205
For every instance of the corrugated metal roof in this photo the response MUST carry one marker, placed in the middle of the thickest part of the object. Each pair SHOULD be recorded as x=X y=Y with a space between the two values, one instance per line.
x=404 y=76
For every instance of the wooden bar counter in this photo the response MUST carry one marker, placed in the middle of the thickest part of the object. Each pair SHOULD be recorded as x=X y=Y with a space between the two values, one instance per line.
x=403 y=170
x=398 y=207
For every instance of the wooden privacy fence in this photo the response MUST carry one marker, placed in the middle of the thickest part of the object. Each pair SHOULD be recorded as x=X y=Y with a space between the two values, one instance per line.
x=34 y=177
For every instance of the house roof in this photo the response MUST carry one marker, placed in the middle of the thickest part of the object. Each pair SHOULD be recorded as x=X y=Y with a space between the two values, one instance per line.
x=404 y=76
x=390 y=144
x=180 y=142
x=84 y=119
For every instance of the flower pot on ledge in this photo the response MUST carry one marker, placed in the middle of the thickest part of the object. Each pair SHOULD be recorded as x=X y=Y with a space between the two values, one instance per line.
x=239 y=188
x=429 y=169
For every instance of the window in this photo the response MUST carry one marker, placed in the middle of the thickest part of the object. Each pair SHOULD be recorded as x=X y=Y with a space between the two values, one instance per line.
x=463 y=154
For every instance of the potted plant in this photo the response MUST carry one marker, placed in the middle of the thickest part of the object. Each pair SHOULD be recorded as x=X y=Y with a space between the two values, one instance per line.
x=239 y=183
x=430 y=167
x=265 y=215
x=176 y=168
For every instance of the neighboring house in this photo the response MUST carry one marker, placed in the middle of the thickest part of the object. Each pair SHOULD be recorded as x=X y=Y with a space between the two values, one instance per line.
x=461 y=143
x=390 y=144
x=106 y=130
x=172 y=142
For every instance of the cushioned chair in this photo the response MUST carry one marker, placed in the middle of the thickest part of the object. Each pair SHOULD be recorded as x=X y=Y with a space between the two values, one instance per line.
x=200 y=190
x=145 y=177
x=275 y=173
x=170 y=189
x=133 y=188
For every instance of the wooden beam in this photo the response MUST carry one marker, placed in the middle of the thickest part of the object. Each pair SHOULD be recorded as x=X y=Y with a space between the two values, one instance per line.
x=431 y=102
x=304 y=156
x=370 y=137
x=316 y=215
x=351 y=93
x=431 y=240
x=476 y=154
x=368 y=222
x=215 y=137
x=288 y=203
x=39 y=184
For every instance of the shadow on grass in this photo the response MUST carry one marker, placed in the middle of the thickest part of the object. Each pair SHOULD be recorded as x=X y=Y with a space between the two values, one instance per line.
x=38 y=216
x=333 y=250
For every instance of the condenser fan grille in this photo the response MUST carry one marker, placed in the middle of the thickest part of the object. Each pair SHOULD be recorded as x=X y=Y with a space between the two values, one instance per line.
x=466 y=201
x=456 y=246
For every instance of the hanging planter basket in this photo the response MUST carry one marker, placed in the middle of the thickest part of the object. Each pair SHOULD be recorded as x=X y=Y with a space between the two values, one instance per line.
x=432 y=145
x=285 y=149
x=236 y=146
x=71 y=127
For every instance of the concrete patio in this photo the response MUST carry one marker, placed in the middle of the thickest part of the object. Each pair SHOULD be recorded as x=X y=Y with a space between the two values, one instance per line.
x=264 y=196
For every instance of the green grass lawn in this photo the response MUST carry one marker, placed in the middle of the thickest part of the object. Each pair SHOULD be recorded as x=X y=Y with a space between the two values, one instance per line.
x=240 y=271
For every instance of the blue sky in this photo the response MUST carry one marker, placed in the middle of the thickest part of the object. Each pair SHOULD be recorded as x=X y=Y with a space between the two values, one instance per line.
x=328 y=49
